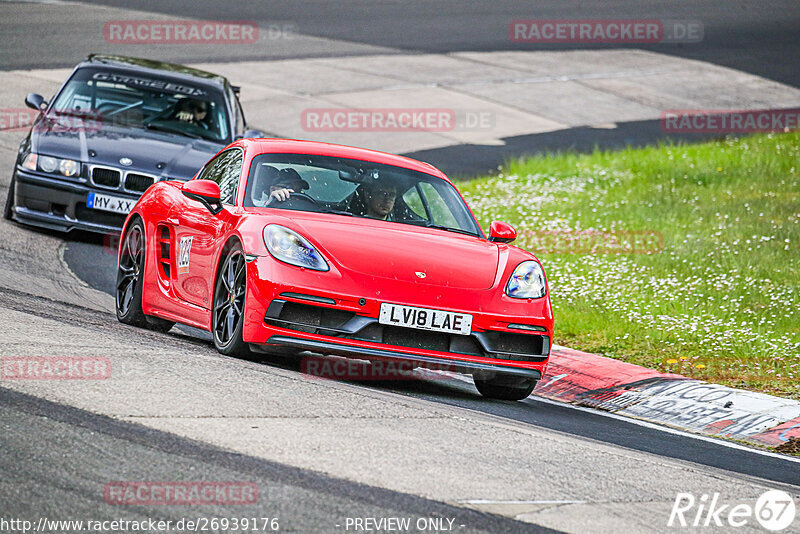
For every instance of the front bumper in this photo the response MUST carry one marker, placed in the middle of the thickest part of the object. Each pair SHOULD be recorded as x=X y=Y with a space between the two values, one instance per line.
x=427 y=361
x=61 y=205
x=338 y=314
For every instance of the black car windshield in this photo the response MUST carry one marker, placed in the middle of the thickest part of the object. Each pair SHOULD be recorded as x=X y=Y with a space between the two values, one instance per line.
x=132 y=100
x=356 y=188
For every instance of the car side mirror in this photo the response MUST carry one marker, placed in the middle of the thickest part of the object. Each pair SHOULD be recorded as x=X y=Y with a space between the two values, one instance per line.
x=500 y=232
x=36 y=102
x=250 y=133
x=206 y=192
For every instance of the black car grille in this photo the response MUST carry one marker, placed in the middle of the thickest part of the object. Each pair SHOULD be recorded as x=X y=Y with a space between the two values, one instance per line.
x=344 y=324
x=106 y=177
x=138 y=182
x=314 y=315
x=416 y=339
x=514 y=343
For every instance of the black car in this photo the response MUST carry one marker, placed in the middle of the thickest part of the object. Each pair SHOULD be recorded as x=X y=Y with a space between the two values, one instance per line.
x=115 y=127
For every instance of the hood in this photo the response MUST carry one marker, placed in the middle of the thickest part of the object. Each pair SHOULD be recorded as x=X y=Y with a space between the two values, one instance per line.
x=161 y=154
x=398 y=252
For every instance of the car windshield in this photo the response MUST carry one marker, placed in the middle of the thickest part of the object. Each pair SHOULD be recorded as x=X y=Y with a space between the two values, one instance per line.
x=356 y=188
x=144 y=101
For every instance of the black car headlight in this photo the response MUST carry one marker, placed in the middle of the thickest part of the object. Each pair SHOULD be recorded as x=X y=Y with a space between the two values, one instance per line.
x=527 y=281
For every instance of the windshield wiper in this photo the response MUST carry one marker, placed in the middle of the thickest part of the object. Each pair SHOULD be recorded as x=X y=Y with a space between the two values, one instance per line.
x=337 y=212
x=167 y=129
x=428 y=224
x=451 y=229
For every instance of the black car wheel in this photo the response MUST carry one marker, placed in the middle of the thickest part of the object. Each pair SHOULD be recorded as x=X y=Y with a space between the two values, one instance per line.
x=504 y=387
x=227 y=318
x=8 y=213
x=130 y=274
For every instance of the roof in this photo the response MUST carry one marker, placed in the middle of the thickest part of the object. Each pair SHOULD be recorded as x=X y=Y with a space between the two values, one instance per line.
x=294 y=146
x=152 y=65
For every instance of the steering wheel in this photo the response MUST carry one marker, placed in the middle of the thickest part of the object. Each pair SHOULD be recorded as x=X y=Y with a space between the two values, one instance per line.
x=295 y=196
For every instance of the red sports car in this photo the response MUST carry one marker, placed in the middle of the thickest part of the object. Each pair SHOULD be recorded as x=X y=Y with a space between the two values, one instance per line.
x=302 y=246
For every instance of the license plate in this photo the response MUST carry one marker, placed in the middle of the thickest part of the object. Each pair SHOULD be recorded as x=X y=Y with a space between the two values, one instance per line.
x=426 y=319
x=109 y=203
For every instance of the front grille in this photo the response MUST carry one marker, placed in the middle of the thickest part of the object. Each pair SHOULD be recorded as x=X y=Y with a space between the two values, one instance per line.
x=318 y=316
x=416 y=339
x=138 y=182
x=106 y=177
x=347 y=325
x=514 y=343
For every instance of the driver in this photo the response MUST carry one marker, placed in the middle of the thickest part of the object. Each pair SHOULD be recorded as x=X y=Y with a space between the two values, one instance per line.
x=272 y=183
x=289 y=181
x=193 y=111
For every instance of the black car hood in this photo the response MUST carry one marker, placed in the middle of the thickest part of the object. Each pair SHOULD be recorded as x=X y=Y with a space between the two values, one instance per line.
x=161 y=154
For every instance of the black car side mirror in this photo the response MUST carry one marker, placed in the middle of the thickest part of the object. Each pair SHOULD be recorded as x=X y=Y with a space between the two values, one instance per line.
x=35 y=101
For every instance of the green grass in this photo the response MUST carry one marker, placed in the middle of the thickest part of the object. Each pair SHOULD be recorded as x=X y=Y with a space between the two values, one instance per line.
x=719 y=302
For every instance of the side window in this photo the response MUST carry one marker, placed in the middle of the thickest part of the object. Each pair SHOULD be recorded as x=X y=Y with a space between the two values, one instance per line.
x=225 y=169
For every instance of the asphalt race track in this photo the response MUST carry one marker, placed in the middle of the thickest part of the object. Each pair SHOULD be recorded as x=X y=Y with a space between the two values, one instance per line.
x=321 y=452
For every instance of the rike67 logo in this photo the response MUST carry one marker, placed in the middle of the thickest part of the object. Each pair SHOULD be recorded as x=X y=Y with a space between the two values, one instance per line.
x=774 y=510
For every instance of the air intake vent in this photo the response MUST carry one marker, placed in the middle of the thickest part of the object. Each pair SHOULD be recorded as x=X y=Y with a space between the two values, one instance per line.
x=165 y=257
x=105 y=177
x=138 y=182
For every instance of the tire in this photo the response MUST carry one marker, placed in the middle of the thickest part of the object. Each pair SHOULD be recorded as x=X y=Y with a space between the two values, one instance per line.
x=8 y=213
x=227 y=313
x=130 y=274
x=505 y=387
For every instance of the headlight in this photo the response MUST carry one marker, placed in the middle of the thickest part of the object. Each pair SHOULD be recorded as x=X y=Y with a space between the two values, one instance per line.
x=290 y=247
x=527 y=281
x=68 y=167
x=49 y=164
